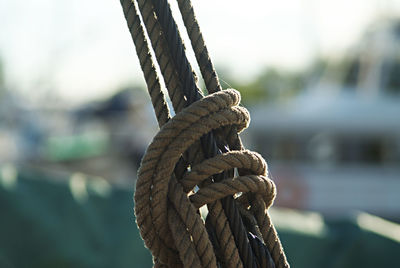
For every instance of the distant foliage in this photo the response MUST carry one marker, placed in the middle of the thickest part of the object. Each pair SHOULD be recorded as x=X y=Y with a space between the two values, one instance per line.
x=270 y=85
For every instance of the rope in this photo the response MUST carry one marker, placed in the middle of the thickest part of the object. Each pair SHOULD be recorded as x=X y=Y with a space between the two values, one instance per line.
x=155 y=175
x=166 y=203
x=199 y=47
x=210 y=148
x=142 y=49
x=164 y=59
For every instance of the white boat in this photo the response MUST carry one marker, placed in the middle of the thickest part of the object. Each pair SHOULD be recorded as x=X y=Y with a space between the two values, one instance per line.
x=336 y=148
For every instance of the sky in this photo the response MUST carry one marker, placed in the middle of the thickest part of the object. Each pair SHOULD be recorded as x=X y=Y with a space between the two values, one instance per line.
x=81 y=50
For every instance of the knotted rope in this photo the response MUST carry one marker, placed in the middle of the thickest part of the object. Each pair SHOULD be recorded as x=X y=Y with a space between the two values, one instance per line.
x=159 y=194
x=177 y=176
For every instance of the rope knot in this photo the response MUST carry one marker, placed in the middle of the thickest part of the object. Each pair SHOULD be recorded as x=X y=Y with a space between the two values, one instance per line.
x=167 y=207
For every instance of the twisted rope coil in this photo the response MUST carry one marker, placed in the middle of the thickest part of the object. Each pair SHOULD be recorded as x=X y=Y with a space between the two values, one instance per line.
x=166 y=209
x=193 y=248
x=208 y=141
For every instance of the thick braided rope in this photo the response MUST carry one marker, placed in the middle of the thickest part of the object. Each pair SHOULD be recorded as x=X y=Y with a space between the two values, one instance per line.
x=199 y=47
x=146 y=63
x=259 y=207
x=176 y=48
x=150 y=72
x=204 y=61
x=167 y=67
x=145 y=58
x=158 y=170
x=166 y=64
x=213 y=85
x=185 y=73
x=163 y=57
x=158 y=192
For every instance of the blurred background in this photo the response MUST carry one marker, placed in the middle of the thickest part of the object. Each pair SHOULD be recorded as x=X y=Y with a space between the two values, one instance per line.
x=321 y=80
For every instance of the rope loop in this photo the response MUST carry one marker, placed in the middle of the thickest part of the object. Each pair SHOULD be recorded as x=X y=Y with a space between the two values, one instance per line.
x=167 y=207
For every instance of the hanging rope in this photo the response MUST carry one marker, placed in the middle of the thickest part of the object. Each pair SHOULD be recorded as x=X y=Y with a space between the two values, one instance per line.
x=208 y=142
x=199 y=147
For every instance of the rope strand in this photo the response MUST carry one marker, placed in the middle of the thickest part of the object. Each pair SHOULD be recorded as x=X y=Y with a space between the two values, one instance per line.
x=199 y=47
x=143 y=51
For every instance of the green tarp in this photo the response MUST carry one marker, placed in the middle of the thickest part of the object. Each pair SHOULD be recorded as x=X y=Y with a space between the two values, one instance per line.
x=86 y=223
